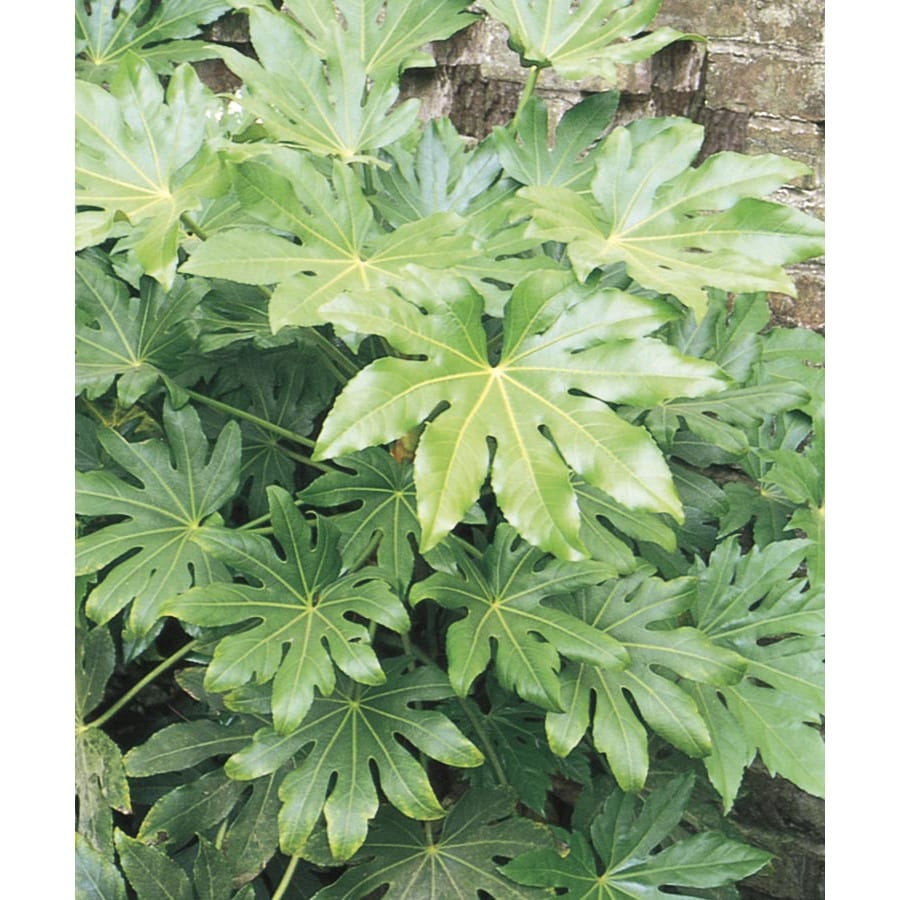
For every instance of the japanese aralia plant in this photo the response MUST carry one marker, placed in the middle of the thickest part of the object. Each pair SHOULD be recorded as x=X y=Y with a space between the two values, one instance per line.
x=450 y=513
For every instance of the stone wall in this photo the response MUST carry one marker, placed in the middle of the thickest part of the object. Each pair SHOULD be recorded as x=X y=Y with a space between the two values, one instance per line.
x=756 y=84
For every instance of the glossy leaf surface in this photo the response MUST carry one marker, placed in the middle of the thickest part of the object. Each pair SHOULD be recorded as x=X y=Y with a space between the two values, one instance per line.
x=107 y=30
x=126 y=339
x=342 y=247
x=584 y=40
x=502 y=598
x=751 y=603
x=302 y=602
x=335 y=747
x=642 y=614
x=383 y=496
x=143 y=155
x=558 y=339
x=677 y=229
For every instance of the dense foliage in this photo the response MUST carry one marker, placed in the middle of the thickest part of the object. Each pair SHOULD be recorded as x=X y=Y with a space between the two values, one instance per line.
x=450 y=513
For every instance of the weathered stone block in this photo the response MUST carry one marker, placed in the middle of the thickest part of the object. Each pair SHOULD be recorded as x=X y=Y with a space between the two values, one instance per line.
x=803 y=141
x=748 y=78
x=799 y=23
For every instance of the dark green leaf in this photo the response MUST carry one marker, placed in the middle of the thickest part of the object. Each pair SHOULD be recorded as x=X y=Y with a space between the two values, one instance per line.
x=303 y=601
x=100 y=785
x=337 y=743
x=502 y=597
x=641 y=613
x=190 y=809
x=756 y=605
x=382 y=492
x=163 y=518
x=96 y=877
x=625 y=841
x=128 y=339
x=150 y=872
x=458 y=863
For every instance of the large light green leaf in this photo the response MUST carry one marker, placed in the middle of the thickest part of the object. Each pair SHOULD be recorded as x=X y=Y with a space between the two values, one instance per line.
x=583 y=40
x=383 y=498
x=526 y=153
x=559 y=338
x=340 y=739
x=342 y=249
x=641 y=613
x=148 y=160
x=154 y=549
x=107 y=30
x=129 y=339
x=386 y=37
x=623 y=864
x=316 y=97
x=455 y=863
x=502 y=596
x=754 y=604
x=679 y=229
x=303 y=601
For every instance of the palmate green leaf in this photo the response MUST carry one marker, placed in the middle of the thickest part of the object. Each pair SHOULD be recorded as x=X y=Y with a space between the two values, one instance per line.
x=126 y=339
x=679 y=229
x=753 y=605
x=386 y=37
x=319 y=98
x=622 y=864
x=154 y=551
x=382 y=493
x=525 y=150
x=342 y=249
x=287 y=387
x=303 y=601
x=503 y=597
x=560 y=337
x=641 y=613
x=457 y=863
x=723 y=420
x=584 y=40
x=335 y=747
x=107 y=30
x=145 y=159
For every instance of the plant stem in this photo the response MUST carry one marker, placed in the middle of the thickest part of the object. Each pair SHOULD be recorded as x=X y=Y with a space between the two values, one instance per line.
x=300 y=458
x=151 y=676
x=286 y=878
x=262 y=423
x=485 y=740
x=346 y=366
x=193 y=226
x=527 y=92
